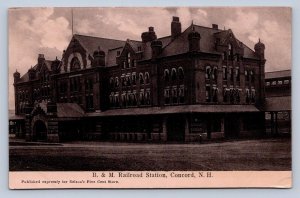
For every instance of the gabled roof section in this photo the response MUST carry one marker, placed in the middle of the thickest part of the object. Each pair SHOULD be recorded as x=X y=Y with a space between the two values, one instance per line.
x=91 y=43
x=25 y=77
x=181 y=45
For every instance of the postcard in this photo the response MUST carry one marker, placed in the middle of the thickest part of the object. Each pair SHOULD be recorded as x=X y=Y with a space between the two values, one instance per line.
x=156 y=97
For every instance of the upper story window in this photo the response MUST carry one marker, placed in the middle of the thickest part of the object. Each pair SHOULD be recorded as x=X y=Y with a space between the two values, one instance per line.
x=231 y=73
x=230 y=50
x=75 y=64
x=180 y=73
x=286 y=82
x=167 y=75
x=246 y=76
x=111 y=82
x=268 y=83
x=252 y=76
x=167 y=96
x=117 y=82
x=141 y=77
x=129 y=59
x=174 y=74
x=133 y=63
x=214 y=74
x=133 y=76
x=208 y=72
x=147 y=78
x=237 y=74
x=224 y=73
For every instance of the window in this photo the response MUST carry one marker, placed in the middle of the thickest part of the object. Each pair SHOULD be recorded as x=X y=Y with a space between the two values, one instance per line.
x=174 y=95
x=147 y=97
x=123 y=80
x=224 y=73
x=75 y=64
x=232 y=96
x=141 y=77
x=167 y=75
x=180 y=73
x=124 y=64
x=124 y=99
x=237 y=74
x=111 y=82
x=133 y=76
x=117 y=82
x=214 y=74
x=246 y=76
x=128 y=80
x=252 y=76
x=207 y=93
x=174 y=74
x=215 y=94
x=134 y=99
x=116 y=100
x=286 y=82
x=89 y=101
x=247 y=96
x=147 y=78
x=142 y=97
x=268 y=83
x=181 y=94
x=231 y=73
x=207 y=72
x=253 y=95
x=133 y=63
x=139 y=48
x=279 y=82
x=167 y=96
x=274 y=82
x=128 y=60
x=230 y=50
x=118 y=53
x=225 y=95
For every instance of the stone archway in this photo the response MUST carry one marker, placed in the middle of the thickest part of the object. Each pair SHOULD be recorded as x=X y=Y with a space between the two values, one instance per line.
x=40 y=130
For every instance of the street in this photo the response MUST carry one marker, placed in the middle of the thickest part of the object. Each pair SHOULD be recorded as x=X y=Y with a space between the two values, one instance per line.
x=242 y=155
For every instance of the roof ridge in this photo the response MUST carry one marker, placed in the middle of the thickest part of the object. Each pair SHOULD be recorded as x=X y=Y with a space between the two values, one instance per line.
x=99 y=37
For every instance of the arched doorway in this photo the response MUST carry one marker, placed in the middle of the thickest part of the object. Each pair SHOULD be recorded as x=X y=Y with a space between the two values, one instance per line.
x=40 y=130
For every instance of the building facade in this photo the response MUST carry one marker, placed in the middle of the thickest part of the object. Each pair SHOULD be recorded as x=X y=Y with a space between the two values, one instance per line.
x=200 y=83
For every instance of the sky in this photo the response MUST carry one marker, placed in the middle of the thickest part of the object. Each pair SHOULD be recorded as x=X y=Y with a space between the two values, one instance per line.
x=34 y=31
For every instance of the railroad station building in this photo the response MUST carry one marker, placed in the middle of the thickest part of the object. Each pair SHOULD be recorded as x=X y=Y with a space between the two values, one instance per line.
x=195 y=84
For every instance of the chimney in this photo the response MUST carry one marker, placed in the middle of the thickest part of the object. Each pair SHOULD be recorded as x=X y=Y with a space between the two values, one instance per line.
x=41 y=59
x=156 y=47
x=215 y=26
x=149 y=36
x=175 y=27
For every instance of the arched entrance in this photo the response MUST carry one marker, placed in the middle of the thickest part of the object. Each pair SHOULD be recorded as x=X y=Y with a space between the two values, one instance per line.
x=40 y=130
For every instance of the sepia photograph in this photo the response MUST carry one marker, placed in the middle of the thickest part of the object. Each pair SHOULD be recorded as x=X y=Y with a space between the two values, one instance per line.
x=150 y=92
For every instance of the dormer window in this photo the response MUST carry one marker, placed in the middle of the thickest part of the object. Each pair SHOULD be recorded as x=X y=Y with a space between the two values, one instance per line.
x=128 y=60
x=75 y=64
x=229 y=49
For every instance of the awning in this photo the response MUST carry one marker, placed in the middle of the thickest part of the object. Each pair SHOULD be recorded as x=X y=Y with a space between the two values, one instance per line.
x=176 y=109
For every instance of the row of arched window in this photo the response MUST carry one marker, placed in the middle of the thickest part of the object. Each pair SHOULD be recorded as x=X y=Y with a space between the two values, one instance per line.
x=174 y=74
x=130 y=79
x=130 y=98
x=174 y=95
x=230 y=95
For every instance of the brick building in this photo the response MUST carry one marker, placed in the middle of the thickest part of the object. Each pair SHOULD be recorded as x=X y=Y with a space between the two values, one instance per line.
x=198 y=83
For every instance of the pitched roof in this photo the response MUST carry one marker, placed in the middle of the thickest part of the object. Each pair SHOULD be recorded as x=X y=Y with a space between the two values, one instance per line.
x=278 y=74
x=91 y=43
x=69 y=110
x=25 y=77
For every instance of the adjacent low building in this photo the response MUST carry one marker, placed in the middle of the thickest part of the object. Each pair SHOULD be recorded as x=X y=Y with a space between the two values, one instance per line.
x=200 y=83
x=278 y=102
